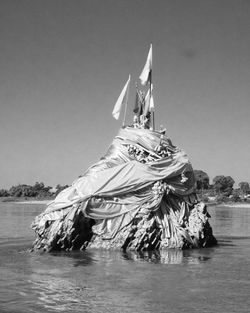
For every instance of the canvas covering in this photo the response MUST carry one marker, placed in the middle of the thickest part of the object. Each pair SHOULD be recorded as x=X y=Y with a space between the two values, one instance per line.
x=118 y=183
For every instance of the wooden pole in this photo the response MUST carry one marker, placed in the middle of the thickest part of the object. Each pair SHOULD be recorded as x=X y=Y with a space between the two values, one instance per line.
x=152 y=117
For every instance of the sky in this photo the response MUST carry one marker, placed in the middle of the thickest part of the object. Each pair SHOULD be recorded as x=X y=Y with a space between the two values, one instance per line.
x=64 y=63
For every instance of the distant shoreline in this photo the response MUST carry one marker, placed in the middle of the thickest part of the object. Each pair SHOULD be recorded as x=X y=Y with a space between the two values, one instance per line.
x=46 y=201
x=229 y=204
x=236 y=205
x=31 y=202
x=23 y=200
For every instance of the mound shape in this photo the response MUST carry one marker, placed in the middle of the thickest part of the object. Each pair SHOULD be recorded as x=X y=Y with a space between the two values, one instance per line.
x=139 y=196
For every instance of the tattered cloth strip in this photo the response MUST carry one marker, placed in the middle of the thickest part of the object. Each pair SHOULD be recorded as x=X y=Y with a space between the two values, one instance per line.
x=142 y=186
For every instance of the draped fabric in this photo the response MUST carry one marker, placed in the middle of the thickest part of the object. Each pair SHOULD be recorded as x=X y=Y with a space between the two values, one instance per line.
x=118 y=183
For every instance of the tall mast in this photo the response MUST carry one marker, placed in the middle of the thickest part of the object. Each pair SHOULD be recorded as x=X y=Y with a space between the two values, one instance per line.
x=146 y=77
x=152 y=117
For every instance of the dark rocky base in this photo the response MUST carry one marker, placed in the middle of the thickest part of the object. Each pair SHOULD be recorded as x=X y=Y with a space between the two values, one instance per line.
x=147 y=230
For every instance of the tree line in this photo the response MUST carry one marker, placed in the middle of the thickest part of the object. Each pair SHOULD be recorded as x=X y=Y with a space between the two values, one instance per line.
x=38 y=190
x=221 y=189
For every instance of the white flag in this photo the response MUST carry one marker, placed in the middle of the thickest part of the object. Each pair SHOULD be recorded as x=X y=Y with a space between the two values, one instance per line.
x=146 y=72
x=151 y=104
x=121 y=100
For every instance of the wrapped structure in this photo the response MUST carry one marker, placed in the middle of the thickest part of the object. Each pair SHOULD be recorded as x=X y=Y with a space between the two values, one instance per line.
x=139 y=196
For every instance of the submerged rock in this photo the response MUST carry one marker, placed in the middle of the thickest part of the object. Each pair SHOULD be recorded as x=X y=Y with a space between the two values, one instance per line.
x=139 y=196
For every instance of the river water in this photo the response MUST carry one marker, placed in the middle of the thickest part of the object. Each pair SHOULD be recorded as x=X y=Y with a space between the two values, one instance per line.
x=205 y=280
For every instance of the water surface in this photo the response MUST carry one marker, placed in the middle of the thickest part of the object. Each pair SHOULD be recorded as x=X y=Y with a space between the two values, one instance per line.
x=204 y=280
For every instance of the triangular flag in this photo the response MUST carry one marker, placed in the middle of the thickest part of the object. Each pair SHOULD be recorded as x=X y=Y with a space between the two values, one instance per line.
x=147 y=100
x=146 y=72
x=151 y=104
x=121 y=100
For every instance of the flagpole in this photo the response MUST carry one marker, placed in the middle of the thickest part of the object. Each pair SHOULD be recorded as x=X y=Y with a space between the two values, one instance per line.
x=146 y=77
x=150 y=86
x=126 y=104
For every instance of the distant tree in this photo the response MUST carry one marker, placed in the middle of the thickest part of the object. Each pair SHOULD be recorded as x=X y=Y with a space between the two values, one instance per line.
x=244 y=188
x=235 y=195
x=41 y=191
x=4 y=193
x=223 y=184
x=15 y=191
x=28 y=191
x=202 y=179
x=21 y=191
x=38 y=186
x=59 y=188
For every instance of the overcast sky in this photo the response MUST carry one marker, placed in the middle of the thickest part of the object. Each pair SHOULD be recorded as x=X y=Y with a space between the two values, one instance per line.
x=63 y=65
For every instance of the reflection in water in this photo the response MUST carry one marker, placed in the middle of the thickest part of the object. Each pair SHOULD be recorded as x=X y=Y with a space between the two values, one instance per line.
x=165 y=256
x=226 y=242
x=79 y=258
x=170 y=256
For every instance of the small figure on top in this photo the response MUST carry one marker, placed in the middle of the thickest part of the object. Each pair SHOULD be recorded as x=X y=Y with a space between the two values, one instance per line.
x=136 y=122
